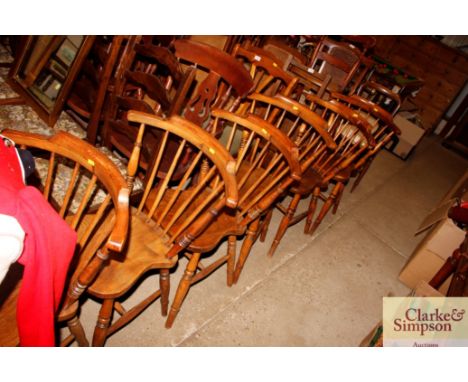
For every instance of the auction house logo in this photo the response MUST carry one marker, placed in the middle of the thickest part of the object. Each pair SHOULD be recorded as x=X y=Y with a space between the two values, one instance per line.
x=425 y=321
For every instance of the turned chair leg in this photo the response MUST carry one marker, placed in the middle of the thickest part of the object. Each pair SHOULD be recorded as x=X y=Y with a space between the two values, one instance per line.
x=285 y=222
x=326 y=207
x=231 y=261
x=76 y=329
x=103 y=322
x=311 y=210
x=183 y=288
x=249 y=241
x=266 y=225
x=164 y=286
x=338 y=198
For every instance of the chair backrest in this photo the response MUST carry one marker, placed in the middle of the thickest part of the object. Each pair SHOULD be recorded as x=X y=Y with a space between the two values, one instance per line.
x=383 y=128
x=380 y=95
x=351 y=132
x=182 y=206
x=222 y=80
x=283 y=52
x=338 y=60
x=84 y=186
x=265 y=158
x=308 y=79
x=268 y=76
x=90 y=89
x=149 y=79
x=305 y=128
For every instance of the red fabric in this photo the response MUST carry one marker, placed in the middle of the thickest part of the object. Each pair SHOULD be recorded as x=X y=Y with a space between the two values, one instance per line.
x=48 y=249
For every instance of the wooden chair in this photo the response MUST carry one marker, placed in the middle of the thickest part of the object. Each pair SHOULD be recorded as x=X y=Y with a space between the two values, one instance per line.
x=307 y=78
x=187 y=216
x=383 y=130
x=316 y=147
x=176 y=216
x=380 y=95
x=338 y=60
x=90 y=194
x=283 y=52
x=149 y=79
x=352 y=133
x=90 y=90
x=266 y=164
x=221 y=81
x=263 y=159
x=269 y=78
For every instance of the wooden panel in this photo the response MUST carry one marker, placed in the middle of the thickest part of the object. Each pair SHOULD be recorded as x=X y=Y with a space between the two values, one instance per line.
x=461 y=63
x=439 y=84
x=384 y=45
x=412 y=41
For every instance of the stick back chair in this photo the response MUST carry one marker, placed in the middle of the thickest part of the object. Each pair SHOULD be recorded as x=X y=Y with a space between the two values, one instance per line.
x=380 y=95
x=383 y=129
x=173 y=213
x=84 y=187
x=309 y=132
x=187 y=215
x=353 y=134
x=263 y=159
x=266 y=163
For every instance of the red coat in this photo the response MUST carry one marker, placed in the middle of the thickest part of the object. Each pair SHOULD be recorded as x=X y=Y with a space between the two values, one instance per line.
x=48 y=248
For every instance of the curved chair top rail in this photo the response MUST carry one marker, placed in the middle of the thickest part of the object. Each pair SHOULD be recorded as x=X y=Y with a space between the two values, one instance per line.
x=200 y=139
x=369 y=107
x=218 y=61
x=299 y=110
x=68 y=146
x=266 y=62
x=261 y=127
x=361 y=123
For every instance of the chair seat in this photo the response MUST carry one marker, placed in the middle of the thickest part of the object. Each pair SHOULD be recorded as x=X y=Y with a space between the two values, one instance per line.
x=310 y=180
x=146 y=250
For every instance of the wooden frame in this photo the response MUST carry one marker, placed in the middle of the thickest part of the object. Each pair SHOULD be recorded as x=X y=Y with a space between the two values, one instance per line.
x=48 y=116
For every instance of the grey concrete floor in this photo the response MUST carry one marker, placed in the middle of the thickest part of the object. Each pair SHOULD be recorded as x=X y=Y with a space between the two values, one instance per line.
x=320 y=290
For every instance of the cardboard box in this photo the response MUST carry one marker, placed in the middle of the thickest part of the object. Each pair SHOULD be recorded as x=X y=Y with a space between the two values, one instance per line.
x=440 y=242
x=411 y=135
x=423 y=289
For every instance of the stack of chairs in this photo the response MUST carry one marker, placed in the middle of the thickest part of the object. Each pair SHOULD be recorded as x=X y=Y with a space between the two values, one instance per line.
x=217 y=142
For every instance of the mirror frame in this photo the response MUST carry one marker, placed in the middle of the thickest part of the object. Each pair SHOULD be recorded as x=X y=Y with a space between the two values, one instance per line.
x=49 y=117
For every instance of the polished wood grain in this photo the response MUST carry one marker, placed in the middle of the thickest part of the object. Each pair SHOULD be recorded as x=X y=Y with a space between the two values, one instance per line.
x=383 y=129
x=174 y=219
x=268 y=76
x=222 y=81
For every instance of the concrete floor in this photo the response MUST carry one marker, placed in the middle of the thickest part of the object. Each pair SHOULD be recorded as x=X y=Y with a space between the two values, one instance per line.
x=324 y=290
